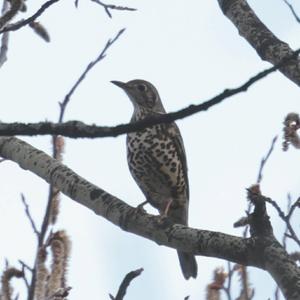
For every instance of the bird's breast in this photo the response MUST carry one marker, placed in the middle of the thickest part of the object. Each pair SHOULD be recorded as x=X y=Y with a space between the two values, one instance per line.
x=154 y=163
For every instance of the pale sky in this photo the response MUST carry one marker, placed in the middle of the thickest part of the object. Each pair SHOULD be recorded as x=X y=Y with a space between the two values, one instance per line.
x=190 y=52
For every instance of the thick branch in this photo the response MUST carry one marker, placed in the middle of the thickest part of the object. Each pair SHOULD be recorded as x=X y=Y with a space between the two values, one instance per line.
x=164 y=232
x=265 y=253
x=266 y=44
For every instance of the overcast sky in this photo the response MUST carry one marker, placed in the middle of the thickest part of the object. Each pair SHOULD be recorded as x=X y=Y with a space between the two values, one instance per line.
x=190 y=52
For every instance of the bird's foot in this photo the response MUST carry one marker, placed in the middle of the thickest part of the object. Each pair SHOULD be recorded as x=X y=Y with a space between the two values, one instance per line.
x=162 y=218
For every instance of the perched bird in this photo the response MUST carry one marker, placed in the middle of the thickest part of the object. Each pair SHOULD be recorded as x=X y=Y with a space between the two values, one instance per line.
x=157 y=161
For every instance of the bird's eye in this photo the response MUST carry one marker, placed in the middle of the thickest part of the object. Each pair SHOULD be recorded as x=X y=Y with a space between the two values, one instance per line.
x=141 y=87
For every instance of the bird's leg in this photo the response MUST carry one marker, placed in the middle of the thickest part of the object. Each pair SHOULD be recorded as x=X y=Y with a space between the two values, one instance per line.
x=165 y=213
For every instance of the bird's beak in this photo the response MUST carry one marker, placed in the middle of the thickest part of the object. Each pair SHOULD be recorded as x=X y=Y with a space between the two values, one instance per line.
x=120 y=84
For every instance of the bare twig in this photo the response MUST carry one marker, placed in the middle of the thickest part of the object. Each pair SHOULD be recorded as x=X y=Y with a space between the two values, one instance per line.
x=125 y=283
x=286 y=218
x=56 y=153
x=76 y=129
x=289 y=203
x=101 y=56
x=41 y=238
x=284 y=238
x=292 y=10
x=227 y=288
x=28 y=214
x=107 y=7
x=53 y=192
x=293 y=207
x=264 y=160
x=24 y=265
x=19 y=24
x=244 y=221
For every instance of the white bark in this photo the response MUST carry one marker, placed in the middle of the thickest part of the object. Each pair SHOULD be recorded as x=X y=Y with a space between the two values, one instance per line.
x=260 y=251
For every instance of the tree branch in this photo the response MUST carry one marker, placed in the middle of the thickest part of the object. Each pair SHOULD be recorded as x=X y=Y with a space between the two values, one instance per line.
x=265 y=159
x=107 y=7
x=22 y=23
x=77 y=129
x=119 y=213
x=262 y=250
x=286 y=219
x=101 y=56
x=266 y=44
x=290 y=6
x=28 y=214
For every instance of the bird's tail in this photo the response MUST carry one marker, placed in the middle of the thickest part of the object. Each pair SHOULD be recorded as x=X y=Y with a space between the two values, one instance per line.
x=188 y=264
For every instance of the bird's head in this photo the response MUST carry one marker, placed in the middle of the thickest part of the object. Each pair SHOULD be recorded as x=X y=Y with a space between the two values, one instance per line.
x=142 y=94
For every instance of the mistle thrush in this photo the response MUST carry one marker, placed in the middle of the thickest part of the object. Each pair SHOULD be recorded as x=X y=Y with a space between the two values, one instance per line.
x=157 y=161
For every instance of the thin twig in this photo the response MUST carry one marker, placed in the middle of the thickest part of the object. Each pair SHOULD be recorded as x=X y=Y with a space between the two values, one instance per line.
x=284 y=238
x=28 y=214
x=125 y=283
x=264 y=160
x=22 y=23
x=289 y=203
x=43 y=231
x=101 y=56
x=52 y=190
x=107 y=7
x=292 y=208
x=76 y=129
x=25 y=266
x=227 y=288
x=292 y=10
x=292 y=234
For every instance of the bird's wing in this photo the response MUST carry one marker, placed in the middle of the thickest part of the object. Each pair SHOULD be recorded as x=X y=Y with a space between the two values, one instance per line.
x=176 y=137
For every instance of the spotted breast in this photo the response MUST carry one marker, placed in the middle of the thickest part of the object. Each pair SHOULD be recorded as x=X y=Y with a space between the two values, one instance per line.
x=157 y=161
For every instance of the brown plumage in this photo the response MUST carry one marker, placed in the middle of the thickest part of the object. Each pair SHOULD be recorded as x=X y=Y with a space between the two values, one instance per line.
x=157 y=161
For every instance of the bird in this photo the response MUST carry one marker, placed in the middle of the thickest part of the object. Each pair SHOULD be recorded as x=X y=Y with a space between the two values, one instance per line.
x=157 y=161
